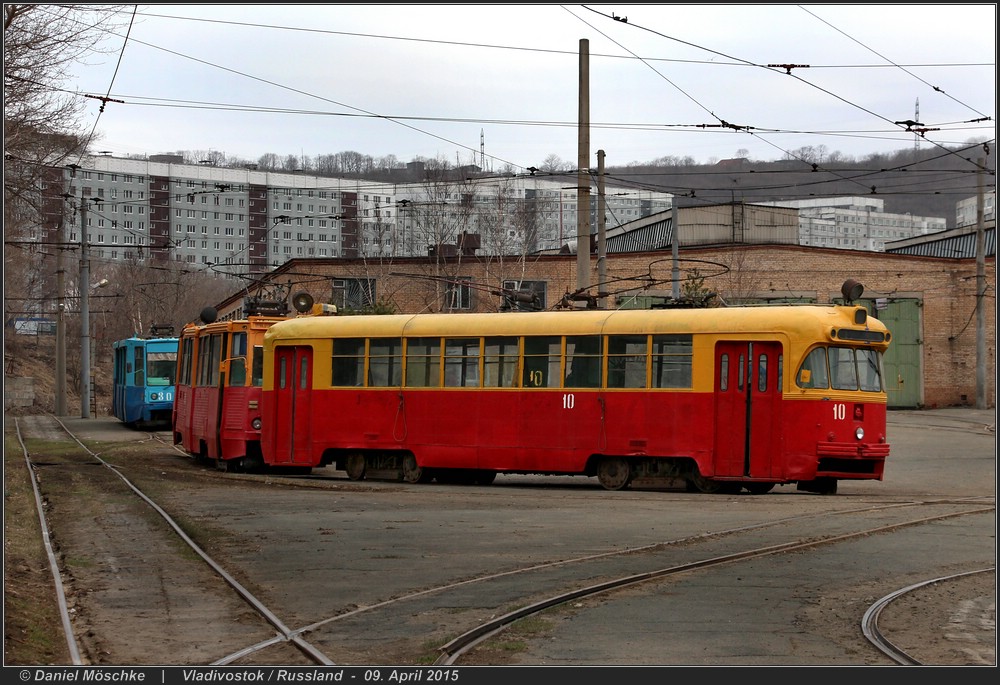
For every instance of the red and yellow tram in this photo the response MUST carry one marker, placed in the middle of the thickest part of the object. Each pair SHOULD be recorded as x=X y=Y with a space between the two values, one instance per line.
x=717 y=399
x=217 y=411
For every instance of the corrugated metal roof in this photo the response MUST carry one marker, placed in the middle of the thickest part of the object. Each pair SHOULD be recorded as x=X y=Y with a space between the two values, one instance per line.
x=954 y=245
x=655 y=236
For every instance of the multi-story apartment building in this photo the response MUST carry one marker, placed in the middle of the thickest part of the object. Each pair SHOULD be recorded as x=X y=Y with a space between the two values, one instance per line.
x=511 y=215
x=247 y=221
x=856 y=223
x=966 y=210
x=244 y=221
x=241 y=220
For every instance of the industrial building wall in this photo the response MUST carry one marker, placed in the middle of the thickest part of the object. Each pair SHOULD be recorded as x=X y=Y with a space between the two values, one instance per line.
x=943 y=290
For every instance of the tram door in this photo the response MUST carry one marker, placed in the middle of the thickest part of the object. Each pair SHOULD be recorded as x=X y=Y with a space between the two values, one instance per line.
x=292 y=385
x=747 y=409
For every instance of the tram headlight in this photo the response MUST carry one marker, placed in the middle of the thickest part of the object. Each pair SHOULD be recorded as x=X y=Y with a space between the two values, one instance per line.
x=859 y=433
x=255 y=424
x=154 y=396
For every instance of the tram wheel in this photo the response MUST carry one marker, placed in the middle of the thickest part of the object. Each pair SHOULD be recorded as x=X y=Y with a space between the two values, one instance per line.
x=826 y=486
x=759 y=488
x=413 y=472
x=355 y=466
x=614 y=473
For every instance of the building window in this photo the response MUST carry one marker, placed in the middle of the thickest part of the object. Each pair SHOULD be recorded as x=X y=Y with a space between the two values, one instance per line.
x=458 y=295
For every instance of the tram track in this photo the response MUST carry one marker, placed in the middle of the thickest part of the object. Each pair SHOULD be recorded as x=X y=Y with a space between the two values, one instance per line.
x=458 y=647
x=70 y=459
x=873 y=631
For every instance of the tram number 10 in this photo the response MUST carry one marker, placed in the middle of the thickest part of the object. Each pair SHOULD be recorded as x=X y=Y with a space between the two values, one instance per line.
x=839 y=412
x=569 y=401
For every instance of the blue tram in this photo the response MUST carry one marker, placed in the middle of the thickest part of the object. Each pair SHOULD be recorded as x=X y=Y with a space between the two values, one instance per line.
x=143 y=378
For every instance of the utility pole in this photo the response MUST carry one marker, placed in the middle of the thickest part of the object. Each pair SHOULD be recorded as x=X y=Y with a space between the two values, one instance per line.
x=602 y=247
x=980 y=293
x=84 y=314
x=675 y=276
x=60 y=398
x=583 y=174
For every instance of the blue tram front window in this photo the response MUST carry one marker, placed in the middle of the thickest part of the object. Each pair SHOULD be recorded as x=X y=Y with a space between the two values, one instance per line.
x=161 y=367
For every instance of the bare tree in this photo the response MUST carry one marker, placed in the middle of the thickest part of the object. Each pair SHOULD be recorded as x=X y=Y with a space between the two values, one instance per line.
x=42 y=134
x=209 y=157
x=41 y=125
x=554 y=163
x=268 y=162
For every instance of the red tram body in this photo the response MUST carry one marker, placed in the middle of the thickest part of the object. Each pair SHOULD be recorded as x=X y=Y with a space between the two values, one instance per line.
x=709 y=399
x=216 y=413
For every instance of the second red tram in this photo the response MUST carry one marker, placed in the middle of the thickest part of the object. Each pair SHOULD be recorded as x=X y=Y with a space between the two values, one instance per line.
x=716 y=400
x=217 y=412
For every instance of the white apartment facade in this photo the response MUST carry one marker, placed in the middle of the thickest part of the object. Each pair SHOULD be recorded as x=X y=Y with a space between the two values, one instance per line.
x=244 y=221
x=856 y=223
x=966 y=210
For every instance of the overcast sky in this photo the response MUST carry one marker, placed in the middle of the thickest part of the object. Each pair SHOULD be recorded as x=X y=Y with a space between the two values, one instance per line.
x=451 y=81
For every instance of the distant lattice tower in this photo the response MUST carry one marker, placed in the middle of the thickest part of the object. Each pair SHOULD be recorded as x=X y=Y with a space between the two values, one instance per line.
x=916 y=136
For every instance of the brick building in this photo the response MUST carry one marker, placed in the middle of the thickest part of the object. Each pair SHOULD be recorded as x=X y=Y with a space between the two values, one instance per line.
x=929 y=303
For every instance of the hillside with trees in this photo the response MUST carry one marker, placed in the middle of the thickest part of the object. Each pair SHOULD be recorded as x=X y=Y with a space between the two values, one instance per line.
x=924 y=182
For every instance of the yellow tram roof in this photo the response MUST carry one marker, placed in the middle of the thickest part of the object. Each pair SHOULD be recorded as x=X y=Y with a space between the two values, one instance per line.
x=811 y=322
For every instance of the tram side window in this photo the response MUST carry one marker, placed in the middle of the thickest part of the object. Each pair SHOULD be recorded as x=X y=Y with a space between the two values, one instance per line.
x=541 y=362
x=349 y=362
x=208 y=361
x=672 y=361
x=461 y=362
x=870 y=367
x=187 y=347
x=500 y=362
x=238 y=360
x=257 y=368
x=140 y=366
x=583 y=361
x=762 y=373
x=204 y=352
x=724 y=372
x=119 y=373
x=843 y=371
x=812 y=373
x=385 y=362
x=303 y=373
x=627 y=361
x=423 y=362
